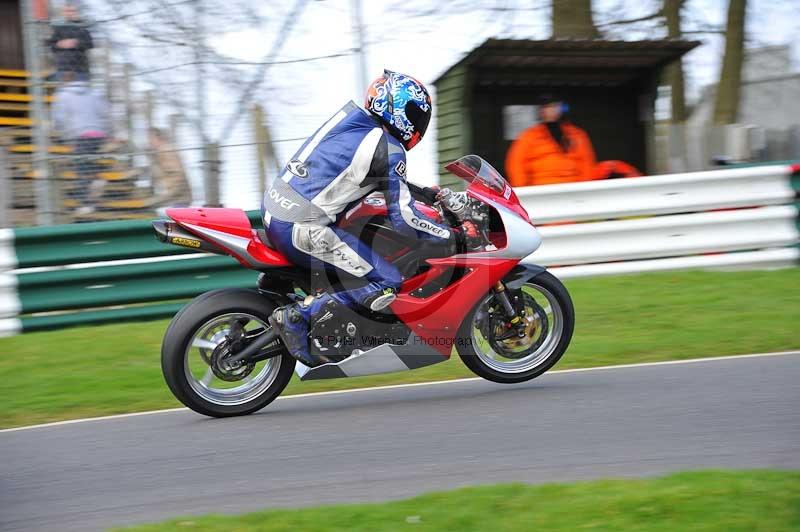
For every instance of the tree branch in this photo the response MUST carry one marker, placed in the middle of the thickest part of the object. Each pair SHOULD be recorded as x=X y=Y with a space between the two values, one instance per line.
x=703 y=32
x=651 y=16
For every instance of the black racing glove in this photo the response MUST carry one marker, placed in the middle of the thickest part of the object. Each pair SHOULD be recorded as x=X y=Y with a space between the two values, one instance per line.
x=467 y=237
x=425 y=194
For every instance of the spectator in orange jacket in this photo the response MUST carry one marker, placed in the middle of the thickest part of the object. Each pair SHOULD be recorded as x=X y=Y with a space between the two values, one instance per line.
x=553 y=151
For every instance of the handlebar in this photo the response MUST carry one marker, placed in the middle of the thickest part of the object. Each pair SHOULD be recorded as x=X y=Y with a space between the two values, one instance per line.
x=430 y=197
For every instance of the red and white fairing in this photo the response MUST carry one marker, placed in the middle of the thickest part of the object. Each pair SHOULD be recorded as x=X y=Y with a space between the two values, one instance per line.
x=433 y=320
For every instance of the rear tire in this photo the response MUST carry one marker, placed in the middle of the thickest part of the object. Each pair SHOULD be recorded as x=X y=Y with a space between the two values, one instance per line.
x=475 y=352
x=210 y=308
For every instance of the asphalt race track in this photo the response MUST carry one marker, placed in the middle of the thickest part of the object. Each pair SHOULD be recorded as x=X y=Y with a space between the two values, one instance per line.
x=391 y=443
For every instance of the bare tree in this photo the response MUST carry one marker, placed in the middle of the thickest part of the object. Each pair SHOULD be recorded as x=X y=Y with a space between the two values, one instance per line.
x=726 y=105
x=674 y=72
x=573 y=19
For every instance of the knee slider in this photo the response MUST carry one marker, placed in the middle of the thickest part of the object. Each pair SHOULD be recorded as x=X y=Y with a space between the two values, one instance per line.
x=381 y=300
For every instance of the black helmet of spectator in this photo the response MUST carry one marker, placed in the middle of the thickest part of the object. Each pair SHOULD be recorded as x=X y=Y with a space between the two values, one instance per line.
x=555 y=104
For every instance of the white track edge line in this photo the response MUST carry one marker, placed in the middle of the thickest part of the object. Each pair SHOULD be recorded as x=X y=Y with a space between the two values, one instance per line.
x=411 y=385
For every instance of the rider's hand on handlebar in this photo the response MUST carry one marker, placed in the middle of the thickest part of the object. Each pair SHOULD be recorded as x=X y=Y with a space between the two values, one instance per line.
x=472 y=237
x=432 y=194
x=470 y=230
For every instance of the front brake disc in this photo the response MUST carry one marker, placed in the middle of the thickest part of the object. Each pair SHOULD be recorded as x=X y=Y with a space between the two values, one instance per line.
x=535 y=332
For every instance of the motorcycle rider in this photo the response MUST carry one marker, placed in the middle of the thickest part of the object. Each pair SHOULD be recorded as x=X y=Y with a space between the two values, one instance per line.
x=354 y=153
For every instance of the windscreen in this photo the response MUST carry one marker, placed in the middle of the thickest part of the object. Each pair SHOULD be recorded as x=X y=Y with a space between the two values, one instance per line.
x=472 y=167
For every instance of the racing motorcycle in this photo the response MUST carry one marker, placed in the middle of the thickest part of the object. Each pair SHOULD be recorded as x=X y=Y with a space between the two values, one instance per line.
x=508 y=321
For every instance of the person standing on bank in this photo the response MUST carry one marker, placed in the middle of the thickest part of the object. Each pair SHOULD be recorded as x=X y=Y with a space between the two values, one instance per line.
x=169 y=176
x=71 y=42
x=81 y=116
x=553 y=151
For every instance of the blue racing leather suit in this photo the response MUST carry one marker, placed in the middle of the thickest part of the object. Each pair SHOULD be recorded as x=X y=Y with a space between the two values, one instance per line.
x=350 y=156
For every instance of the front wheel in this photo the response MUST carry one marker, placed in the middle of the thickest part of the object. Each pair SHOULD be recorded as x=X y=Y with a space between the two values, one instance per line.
x=494 y=350
x=199 y=338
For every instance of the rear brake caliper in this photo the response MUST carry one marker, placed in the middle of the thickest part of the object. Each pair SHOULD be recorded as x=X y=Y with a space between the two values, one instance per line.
x=233 y=343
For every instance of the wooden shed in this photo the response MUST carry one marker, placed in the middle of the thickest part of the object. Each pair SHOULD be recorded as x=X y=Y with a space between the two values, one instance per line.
x=11 y=43
x=611 y=87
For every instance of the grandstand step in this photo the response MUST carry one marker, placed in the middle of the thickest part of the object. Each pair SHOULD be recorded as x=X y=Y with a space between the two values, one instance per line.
x=108 y=176
x=23 y=194
x=13 y=106
x=28 y=148
x=7 y=121
x=112 y=191
x=10 y=97
x=122 y=204
x=15 y=132
x=20 y=217
x=102 y=162
x=13 y=73
x=140 y=203
x=27 y=216
x=100 y=216
x=4 y=82
x=22 y=74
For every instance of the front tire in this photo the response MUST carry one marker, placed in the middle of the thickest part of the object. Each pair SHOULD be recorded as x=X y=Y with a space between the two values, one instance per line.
x=198 y=333
x=548 y=308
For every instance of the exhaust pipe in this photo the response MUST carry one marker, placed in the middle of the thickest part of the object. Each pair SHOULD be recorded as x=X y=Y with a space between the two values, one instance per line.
x=170 y=232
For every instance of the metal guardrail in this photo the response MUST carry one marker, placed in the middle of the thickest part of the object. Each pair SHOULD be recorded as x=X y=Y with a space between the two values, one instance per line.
x=731 y=218
x=669 y=236
x=60 y=276
x=663 y=194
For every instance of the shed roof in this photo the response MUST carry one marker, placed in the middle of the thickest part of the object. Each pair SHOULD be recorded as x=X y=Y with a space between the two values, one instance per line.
x=570 y=54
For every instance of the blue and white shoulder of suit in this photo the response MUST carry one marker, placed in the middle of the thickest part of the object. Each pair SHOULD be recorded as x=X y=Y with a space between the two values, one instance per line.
x=348 y=157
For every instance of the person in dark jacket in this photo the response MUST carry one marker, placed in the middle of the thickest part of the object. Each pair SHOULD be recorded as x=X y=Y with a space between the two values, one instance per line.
x=70 y=42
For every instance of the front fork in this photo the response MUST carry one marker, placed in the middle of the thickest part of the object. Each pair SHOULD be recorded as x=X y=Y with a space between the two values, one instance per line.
x=514 y=281
x=501 y=294
x=513 y=318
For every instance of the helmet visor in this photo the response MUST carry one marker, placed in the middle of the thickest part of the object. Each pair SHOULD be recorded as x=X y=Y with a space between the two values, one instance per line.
x=418 y=118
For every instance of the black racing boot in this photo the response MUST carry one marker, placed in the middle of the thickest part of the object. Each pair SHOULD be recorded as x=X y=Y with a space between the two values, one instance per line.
x=292 y=324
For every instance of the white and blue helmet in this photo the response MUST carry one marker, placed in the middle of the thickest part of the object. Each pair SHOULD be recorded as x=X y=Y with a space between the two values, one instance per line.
x=403 y=104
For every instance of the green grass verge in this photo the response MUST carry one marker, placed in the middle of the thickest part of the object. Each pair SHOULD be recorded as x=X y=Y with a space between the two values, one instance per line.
x=637 y=318
x=708 y=501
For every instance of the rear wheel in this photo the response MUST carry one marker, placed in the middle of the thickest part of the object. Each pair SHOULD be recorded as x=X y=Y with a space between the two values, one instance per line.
x=496 y=352
x=199 y=338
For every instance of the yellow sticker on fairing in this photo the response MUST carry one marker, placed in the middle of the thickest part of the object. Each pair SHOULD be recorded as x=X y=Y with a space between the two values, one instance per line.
x=187 y=242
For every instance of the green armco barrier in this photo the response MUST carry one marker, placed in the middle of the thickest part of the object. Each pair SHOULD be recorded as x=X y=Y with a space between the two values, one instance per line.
x=93 y=273
x=796 y=179
x=93 y=242
x=97 y=317
x=129 y=283
x=90 y=242
x=787 y=162
x=796 y=187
